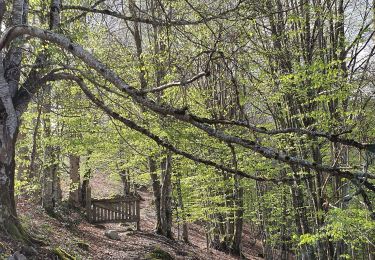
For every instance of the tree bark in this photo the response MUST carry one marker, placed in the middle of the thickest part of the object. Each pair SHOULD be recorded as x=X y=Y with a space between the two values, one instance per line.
x=86 y=181
x=9 y=126
x=125 y=178
x=237 y=238
x=75 y=183
x=156 y=191
x=50 y=180
x=33 y=166
x=166 y=197
x=185 y=230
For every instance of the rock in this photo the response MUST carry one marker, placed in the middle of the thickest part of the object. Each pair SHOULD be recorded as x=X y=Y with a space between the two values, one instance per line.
x=112 y=234
x=17 y=256
x=29 y=251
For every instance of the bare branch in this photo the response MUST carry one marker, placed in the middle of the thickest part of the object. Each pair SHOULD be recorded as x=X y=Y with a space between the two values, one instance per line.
x=153 y=21
x=83 y=14
x=176 y=83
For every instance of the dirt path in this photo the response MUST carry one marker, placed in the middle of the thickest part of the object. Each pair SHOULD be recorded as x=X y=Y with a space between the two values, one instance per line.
x=137 y=244
x=133 y=245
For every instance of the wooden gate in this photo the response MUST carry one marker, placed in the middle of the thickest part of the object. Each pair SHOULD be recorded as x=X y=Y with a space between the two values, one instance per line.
x=124 y=209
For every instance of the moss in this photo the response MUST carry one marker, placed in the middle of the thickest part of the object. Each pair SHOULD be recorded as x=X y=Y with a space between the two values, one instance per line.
x=159 y=254
x=16 y=232
x=62 y=254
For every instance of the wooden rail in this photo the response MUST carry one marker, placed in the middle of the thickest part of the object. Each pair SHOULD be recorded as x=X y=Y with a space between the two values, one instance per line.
x=124 y=209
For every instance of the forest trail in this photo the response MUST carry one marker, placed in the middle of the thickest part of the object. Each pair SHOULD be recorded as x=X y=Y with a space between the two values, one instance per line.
x=70 y=234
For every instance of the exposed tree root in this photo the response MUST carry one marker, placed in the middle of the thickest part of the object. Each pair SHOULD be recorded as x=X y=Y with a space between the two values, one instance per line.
x=62 y=254
x=16 y=231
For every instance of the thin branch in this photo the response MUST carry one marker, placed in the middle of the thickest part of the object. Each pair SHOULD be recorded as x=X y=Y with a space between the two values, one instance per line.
x=153 y=21
x=83 y=14
x=177 y=83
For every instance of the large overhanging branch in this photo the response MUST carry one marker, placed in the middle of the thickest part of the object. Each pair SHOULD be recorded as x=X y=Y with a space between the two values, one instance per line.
x=146 y=132
x=91 y=61
x=165 y=110
x=335 y=138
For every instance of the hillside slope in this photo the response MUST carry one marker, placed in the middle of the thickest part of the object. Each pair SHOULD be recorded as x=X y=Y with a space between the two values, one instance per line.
x=71 y=233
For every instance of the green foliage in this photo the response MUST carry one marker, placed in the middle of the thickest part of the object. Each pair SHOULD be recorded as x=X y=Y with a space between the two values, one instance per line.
x=352 y=226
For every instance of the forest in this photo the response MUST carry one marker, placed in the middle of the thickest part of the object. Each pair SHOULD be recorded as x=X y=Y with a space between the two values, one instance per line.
x=187 y=129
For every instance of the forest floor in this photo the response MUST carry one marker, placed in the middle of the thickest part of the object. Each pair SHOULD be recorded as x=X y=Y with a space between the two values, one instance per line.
x=70 y=232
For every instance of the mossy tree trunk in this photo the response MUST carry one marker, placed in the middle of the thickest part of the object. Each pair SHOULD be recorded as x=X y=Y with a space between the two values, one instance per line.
x=8 y=215
x=9 y=126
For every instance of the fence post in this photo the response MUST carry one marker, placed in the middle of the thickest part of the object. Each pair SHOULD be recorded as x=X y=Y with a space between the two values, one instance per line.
x=88 y=204
x=138 y=212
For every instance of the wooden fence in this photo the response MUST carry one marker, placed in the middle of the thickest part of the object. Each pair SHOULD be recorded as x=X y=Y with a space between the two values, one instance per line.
x=124 y=209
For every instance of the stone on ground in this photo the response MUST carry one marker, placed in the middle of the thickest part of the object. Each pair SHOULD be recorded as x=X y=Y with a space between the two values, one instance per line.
x=17 y=256
x=112 y=234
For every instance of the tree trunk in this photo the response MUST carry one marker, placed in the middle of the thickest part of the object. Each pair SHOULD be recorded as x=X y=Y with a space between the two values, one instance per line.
x=307 y=252
x=237 y=239
x=8 y=216
x=185 y=231
x=50 y=180
x=23 y=152
x=51 y=192
x=238 y=196
x=74 y=191
x=33 y=166
x=156 y=191
x=85 y=181
x=9 y=125
x=166 y=197
x=340 y=190
x=125 y=178
x=162 y=196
